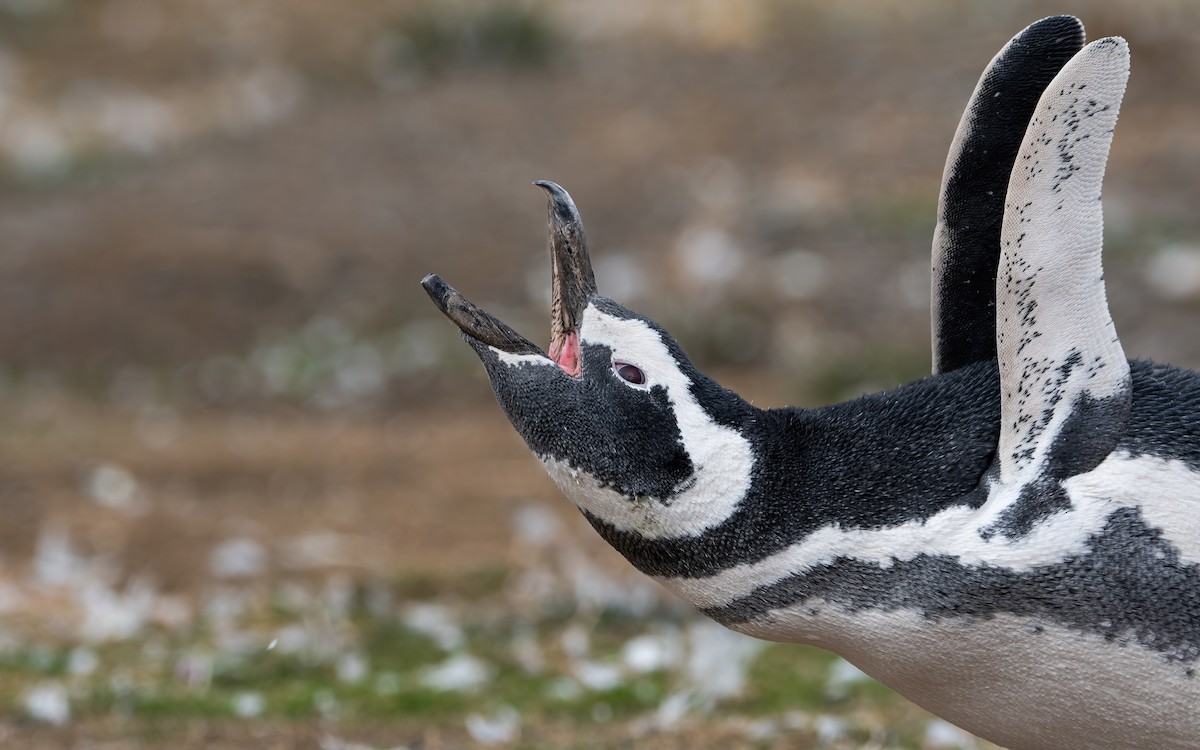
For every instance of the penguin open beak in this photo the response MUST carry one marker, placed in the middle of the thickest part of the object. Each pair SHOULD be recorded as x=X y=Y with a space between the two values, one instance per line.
x=573 y=279
x=573 y=284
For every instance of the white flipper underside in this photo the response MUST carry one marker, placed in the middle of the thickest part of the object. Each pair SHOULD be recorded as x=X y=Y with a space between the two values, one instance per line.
x=1055 y=339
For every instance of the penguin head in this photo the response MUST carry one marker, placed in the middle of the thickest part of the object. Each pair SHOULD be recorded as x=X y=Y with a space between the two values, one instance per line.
x=632 y=433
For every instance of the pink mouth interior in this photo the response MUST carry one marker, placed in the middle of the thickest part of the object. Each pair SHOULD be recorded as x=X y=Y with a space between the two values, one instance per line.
x=565 y=352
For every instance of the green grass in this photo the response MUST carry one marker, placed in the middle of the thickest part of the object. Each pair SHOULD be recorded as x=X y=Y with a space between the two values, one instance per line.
x=140 y=682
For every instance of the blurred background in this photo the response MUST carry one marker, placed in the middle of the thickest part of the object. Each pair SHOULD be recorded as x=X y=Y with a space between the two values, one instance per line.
x=254 y=491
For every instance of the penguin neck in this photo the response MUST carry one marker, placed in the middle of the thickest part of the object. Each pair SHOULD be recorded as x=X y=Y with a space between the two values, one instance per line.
x=880 y=460
x=724 y=406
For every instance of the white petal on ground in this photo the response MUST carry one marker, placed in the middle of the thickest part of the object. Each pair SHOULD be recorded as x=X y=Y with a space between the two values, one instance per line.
x=652 y=652
x=830 y=729
x=249 y=704
x=238 y=558
x=112 y=486
x=55 y=563
x=435 y=621
x=461 y=672
x=536 y=526
x=596 y=676
x=110 y=615
x=48 y=703
x=673 y=710
x=499 y=728
x=718 y=660
x=292 y=639
x=527 y=651
x=352 y=668
x=942 y=735
x=575 y=641
x=82 y=661
x=594 y=589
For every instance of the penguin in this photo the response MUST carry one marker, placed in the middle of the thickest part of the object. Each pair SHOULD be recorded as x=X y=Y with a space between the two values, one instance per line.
x=1012 y=542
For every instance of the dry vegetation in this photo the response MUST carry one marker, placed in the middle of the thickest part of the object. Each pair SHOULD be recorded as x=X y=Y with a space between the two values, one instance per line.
x=254 y=492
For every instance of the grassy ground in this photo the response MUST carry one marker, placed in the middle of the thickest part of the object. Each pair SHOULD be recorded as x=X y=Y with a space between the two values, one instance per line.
x=428 y=673
x=177 y=592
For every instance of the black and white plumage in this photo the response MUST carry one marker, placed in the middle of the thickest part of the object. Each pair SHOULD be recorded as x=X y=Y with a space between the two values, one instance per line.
x=1012 y=543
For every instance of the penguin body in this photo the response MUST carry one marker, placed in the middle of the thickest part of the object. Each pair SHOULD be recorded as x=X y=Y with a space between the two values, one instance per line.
x=1012 y=542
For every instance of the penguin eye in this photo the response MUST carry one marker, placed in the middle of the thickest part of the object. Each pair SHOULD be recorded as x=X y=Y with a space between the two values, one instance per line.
x=629 y=373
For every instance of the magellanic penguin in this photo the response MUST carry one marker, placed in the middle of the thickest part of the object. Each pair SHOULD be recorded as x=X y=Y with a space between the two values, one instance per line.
x=1012 y=542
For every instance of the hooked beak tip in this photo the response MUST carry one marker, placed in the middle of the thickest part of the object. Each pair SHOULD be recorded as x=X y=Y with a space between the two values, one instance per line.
x=560 y=200
x=437 y=289
x=478 y=324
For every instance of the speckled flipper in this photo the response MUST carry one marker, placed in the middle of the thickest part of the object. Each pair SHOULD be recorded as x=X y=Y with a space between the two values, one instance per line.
x=1065 y=384
x=966 y=241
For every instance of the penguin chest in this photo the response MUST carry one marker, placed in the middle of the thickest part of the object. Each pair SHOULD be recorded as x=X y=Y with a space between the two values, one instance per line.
x=1022 y=682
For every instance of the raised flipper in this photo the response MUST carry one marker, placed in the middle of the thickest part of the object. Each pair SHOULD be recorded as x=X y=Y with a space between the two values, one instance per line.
x=966 y=242
x=1065 y=385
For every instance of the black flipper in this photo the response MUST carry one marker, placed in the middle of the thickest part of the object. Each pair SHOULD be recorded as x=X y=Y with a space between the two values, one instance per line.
x=966 y=242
